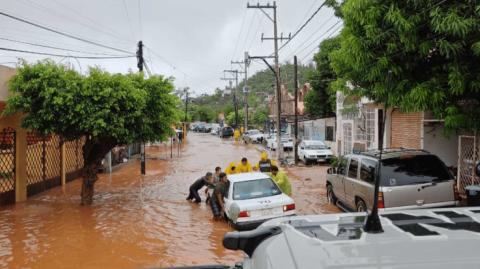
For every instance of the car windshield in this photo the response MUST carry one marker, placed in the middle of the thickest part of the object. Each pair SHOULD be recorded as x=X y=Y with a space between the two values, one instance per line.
x=252 y=132
x=315 y=146
x=253 y=189
x=413 y=169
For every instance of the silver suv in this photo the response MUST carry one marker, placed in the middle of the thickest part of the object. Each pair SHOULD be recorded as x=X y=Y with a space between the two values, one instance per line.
x=409 y=179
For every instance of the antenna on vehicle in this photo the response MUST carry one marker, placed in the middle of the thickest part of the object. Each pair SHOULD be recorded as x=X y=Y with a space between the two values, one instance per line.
x=373 y=223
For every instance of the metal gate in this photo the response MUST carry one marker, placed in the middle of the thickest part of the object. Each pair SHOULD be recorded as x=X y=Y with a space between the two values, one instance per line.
x=7 y=166
x=43 y=163
x=468 y=156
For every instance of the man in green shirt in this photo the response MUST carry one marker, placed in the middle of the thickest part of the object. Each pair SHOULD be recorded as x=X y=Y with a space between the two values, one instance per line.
x=281 y=179
x=217 y=203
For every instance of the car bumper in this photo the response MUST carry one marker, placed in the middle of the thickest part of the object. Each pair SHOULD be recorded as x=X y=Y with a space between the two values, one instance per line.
x=318 y=159
x=431 y=205
x=252 y=224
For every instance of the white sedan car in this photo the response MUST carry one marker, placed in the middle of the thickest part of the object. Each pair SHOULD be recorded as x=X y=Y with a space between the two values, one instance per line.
x=287 y=143
x=312 y=151
x=253 y=198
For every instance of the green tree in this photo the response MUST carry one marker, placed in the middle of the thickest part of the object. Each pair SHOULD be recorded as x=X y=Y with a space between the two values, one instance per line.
x=260 y=116
x=230 y=118
x=415 y=55
x=321 y=101
x=106 y=109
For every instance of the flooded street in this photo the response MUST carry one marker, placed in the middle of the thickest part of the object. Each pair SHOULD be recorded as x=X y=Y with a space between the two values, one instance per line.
x=138 y=222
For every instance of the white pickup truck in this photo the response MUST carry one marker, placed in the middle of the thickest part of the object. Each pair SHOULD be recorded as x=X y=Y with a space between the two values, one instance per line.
x=426 y=238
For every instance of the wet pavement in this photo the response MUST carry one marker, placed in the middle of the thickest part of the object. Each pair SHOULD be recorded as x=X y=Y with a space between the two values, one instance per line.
x=139 y=222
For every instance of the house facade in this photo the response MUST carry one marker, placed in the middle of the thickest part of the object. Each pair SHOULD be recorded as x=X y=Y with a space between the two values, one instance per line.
x=359 y=122
x=288 y=102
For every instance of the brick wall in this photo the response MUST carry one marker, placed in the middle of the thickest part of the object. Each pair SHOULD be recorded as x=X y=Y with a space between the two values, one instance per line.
x=406 y=130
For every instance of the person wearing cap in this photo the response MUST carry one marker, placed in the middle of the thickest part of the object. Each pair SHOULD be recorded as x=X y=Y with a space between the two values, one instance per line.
x=281 y=179
x=265 y=164
x=244 y=166
x=231 y=169
x=197 y=185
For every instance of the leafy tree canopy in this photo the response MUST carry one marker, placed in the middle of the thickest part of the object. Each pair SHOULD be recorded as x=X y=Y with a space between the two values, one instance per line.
x=321 y=102
x=415 y=55
x=108 y=109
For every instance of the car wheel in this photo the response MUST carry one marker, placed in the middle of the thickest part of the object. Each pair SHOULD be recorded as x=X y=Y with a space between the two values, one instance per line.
x=361 y=206
x=331 y=195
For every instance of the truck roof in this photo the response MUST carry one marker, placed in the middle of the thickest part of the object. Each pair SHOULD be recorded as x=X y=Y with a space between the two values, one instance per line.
x=438 y=238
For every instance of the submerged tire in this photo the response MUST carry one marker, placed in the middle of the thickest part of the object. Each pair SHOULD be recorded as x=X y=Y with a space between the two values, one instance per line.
x=331 y=198
x=361 y=206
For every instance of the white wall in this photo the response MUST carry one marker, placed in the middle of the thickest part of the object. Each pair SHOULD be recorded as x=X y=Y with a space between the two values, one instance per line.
x=434 y=141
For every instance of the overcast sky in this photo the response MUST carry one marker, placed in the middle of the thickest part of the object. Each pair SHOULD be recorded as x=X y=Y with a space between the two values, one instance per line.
x=191 y=40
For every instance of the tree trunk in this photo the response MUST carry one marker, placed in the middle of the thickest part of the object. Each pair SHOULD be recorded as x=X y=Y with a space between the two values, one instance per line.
x=89 y=179
x=94 y=151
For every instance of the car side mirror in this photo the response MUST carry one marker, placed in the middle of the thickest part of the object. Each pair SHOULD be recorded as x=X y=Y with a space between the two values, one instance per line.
x=329 y=148
x=302 y=147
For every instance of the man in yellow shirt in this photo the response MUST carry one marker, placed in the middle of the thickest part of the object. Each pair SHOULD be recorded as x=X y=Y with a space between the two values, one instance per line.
x=244 y=166
x=281 y=179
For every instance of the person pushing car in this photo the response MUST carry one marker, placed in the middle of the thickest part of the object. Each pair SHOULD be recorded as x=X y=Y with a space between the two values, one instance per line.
x=197 y=185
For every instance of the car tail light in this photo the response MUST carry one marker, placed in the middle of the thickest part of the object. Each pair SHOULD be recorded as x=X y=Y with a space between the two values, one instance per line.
x=244 y=214
x=455 y=193
x=288 y=207
x=381 y=202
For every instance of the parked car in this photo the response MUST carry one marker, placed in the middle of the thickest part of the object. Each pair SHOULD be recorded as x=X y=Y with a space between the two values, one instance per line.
x=253 y=198
x=313 y=151
x=287 y=142
x=256 y=138
x=226 y=132
x=246 y=135
x=409 y=179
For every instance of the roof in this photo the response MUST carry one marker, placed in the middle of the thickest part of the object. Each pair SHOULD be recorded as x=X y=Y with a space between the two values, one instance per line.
x=246 y=176
x=437 y=238
x=393 y=153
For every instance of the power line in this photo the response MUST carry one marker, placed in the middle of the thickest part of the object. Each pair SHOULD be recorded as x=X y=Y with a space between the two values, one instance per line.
x=241 y=31
x=140 y=18
x=164 y=60
x=72 y=56
x=57 y=48
x=315 y=40
x=61 y=14
x=304 y=25
x=322 y=26
x=62 y=33
x=315 y=48
x=128 y=18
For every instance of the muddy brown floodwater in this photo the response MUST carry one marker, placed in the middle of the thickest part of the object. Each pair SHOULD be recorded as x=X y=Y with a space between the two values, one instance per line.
x=135 y=221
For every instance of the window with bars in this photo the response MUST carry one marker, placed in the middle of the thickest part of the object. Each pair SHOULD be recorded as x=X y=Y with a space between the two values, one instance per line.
x=370 y=126
x=347 y=138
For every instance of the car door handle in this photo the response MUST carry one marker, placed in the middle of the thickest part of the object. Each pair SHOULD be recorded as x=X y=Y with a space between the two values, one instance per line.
x=429 y=185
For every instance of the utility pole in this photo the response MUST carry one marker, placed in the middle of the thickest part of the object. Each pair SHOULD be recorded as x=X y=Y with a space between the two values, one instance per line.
x=236 y=72
x=186 y=114
x=235 y=109
x=140 y=63
x=295 y=83
x=245 y=63
x=276 y=70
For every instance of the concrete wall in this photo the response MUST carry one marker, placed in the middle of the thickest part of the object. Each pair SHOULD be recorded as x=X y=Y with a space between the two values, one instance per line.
x=435 y=141
x=5 y=74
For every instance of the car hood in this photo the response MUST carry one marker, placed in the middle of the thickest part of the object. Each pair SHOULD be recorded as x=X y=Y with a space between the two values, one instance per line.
x=447 y=238
x=318 y=152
